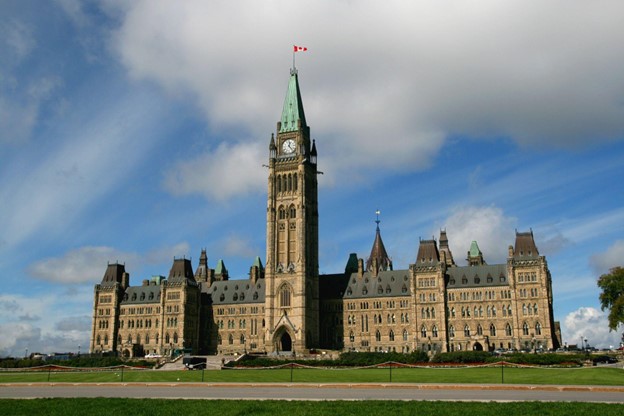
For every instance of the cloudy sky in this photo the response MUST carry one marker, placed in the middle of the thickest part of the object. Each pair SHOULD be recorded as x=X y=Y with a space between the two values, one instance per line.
x=135 y=131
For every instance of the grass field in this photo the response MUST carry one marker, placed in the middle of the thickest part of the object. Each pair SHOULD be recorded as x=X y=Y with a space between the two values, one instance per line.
x=607 y=376
x=154 y=407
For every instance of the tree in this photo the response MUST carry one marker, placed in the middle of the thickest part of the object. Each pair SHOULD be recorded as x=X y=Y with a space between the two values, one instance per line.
x=612 y=296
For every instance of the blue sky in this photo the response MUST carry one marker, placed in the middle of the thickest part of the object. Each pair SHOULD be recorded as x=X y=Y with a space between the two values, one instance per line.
x=136 y=131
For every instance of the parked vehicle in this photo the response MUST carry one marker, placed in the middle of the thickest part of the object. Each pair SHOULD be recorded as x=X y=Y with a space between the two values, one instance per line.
x=604 y=359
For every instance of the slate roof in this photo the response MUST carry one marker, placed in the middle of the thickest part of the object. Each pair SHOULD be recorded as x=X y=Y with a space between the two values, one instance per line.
x=141 y=295
x=477 y=276
x=232 y=292
x=389 y=283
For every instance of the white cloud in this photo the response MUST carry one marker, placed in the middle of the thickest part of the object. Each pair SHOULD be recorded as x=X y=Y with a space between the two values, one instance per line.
x=614 y=256
x=87 y=264
x=384 y=85
x=591 y=324
x=488 y=226
x=235 y=245
x=18 y=38
x=220 y=174
x=79 y=265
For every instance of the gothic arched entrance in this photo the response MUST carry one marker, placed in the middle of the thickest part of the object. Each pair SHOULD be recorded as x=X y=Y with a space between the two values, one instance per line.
x=285 y=342
x=477 y=347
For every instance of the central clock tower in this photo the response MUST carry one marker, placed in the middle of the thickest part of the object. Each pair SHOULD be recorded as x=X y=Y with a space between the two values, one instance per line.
x=291 y=275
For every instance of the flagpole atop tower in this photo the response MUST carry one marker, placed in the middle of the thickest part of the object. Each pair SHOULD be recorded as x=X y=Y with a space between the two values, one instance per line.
x=295 y=50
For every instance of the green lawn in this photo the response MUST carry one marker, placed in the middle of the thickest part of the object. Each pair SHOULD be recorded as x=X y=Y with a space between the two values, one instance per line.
x=155 y=407
x=483 y=375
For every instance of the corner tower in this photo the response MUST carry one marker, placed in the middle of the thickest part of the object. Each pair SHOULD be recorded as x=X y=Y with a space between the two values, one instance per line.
x=292 y=295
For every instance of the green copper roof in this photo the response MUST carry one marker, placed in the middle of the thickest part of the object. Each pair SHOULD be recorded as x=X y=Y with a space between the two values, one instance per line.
x=293 y=106
x=258 y=263
x=220 y=267
x=474 y=249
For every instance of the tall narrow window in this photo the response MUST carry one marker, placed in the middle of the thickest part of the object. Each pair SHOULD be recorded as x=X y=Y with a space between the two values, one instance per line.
x=285 y=296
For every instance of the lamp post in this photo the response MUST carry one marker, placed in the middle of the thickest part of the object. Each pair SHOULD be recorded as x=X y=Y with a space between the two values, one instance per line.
x=78 y=350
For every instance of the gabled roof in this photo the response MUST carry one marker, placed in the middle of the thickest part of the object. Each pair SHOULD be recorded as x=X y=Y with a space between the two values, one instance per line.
x=293 y=106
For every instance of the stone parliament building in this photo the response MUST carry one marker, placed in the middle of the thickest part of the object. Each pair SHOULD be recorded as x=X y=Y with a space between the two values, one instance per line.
x=286 y=306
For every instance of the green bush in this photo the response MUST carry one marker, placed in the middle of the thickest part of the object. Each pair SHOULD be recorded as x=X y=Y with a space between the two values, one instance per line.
x=347 y=359
x=462 y=357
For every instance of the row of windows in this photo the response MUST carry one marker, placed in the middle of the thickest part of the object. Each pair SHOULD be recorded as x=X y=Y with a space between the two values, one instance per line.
x=106 y=299
x=391 y=336
x=378 y=319
x=477 y=312
x=533 y=292
x=139 y=311
x=427 y=297
x=527 y=309
x=103 y=325
x=426 y=282
x=286 y=183
x=477 y=295
x=140 y=323
x=527 y=277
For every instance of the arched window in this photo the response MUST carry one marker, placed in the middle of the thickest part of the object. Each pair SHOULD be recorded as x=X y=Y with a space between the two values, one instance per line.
x=167 y=339
x=423 y=331
x=453 y=312
x=451 y=331
x=157 y=338
x=230 y=339
x=391 y=335
x=508 y=330
x=492 y=330
x=378 y=336
x=284 y=295
x=295 y=182
x=535 y=309
x=525 y=329
x=175 y=338
x=98 y=340
x=278 y=183
x=351 y=337
x=281 y=213
x=434 y=331
x=242 y=339
x=138 y=341
x=405 y=335
x=293 y=212
x=147 y=338
x=479 y=330
x=466 y=331
x=538 y=329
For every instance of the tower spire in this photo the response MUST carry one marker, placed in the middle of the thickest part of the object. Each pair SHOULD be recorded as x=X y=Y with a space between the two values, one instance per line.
x=378 y=259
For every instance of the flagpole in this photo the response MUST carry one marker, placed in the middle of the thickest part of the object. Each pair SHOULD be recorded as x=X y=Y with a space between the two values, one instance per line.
x=294 y=58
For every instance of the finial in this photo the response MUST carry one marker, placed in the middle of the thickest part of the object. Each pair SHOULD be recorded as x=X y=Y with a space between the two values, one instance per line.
x=377 y=221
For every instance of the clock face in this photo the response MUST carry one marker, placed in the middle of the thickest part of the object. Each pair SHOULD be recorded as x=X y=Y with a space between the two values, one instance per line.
x=288 y=146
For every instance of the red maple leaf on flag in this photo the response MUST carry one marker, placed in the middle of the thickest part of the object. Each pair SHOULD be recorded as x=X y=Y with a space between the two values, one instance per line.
x=300 y=48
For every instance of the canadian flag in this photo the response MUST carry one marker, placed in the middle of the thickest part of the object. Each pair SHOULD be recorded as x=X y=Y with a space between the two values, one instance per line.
x=300 y=48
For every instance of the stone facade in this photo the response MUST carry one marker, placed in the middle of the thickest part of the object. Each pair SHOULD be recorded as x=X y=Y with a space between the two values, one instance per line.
x=433 y=305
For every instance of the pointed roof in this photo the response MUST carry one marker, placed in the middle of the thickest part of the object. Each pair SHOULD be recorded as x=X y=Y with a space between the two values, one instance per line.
x=474 y=249
x=525 y=245
x=475 y=257
x=444 y=247
x=292 y=112
x=378 y=253
x=181 y=271
x=258 y=263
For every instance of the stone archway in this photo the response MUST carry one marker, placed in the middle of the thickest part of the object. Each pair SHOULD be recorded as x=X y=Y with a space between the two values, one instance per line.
x=285 y=342
x=477 y=346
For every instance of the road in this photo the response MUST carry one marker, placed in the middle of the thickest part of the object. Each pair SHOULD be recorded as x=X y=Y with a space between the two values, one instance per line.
x=288 y=391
